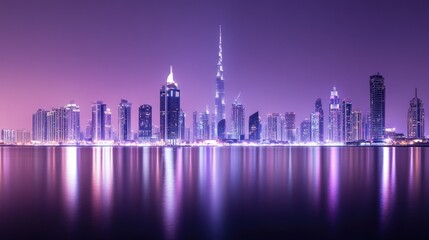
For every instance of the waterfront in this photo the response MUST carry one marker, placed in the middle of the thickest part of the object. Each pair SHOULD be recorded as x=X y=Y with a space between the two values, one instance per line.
x=214 y=192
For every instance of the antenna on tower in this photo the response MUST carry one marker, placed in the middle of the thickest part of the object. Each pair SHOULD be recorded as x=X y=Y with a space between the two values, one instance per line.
x=238 y=96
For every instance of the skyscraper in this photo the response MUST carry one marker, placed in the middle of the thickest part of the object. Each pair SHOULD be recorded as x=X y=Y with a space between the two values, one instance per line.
x=204 y=126
x=221 y=129
x=315 y=124
x=357 y=131
x=416 y=118
x=182 y=117
x=98 y=121
x=366 y=127
x=39 y=126
x=124 y=120
x=145 y=122
x=56 y=125
x=290 y=127
x=220 y=88
x=195 y=136
x=108 y=130
x=237 y=123
x=274 y=127
x=72 y=112
x=318 y=108
x=305 y=130
x=170 y=110
x=255 y=127
x=334 y=117
x=346 y=120
x=377 y=106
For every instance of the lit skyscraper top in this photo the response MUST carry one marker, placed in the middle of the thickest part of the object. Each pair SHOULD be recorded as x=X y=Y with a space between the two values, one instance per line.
x=220 y=88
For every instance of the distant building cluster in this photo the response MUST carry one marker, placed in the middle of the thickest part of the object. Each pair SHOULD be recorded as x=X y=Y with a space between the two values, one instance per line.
x=344 y=123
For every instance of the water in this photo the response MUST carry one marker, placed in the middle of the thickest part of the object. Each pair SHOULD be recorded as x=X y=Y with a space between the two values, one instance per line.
x=214 y=193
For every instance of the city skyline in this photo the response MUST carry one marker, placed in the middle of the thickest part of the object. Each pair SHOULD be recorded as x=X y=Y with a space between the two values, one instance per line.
x=266 y=63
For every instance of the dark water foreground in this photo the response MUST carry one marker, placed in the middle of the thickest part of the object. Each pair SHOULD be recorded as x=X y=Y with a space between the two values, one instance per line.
x=214 y=193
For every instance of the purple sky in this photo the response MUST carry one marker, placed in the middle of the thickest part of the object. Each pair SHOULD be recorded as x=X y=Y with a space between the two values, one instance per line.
x=281 y=55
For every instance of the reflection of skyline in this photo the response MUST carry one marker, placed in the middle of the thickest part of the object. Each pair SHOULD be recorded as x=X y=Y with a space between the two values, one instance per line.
x=175 y=187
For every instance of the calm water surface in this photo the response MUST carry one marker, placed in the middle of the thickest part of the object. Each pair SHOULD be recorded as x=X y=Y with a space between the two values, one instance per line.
x=214 y=193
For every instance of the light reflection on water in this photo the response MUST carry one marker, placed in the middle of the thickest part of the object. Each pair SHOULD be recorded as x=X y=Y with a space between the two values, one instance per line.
x=209 y=192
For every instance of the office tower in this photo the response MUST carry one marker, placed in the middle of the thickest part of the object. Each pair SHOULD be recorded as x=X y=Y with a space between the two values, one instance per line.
x=255 y=127
x=204 y=126
x=220 y=90
x=290 y=127
x=221 y=129
x=377 y=106
x=23 y=136
x=366 y=127
x=56 y=125
x=195 y=131
x=145 y=122
x=109 y=133
x=170 y=110
x=98 y=121
x=346 y=120
x=274 y=127
x=187 y=137
x=318 y=108
x=39 y=126
x=182 y=117
x=72 y=112
x=315 y=124
x=7 y=136
x=88 y=131
x=416 y=118
x=334 y=124
x=237 y=123
x=124 y=121
x=357 y=131
x=306 y=130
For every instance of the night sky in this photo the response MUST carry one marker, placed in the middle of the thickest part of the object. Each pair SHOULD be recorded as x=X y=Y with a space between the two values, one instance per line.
x=280 y=55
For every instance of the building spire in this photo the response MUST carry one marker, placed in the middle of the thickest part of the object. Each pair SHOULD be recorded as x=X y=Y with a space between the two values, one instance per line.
x=170 y=79
x=219 y=62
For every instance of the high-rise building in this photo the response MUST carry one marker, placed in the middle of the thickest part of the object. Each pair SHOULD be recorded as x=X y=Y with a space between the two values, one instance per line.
x=290 y=127
x=39 y=126
x=377 y=106
x=357 y=131
x=204 y=126
x=195 y=131
x=221 y=129
x=23 y=136
x=416 y=118
x=124 y=121
x=346 y=120
x=98 y=121
x=56 y=125
x=305 y=130
x=72 y=112
x=220 y=88
x=274 y=127
x=237 y=123
x=334 y=125
x=109 y=133
x=255 y=127
x=366 y=127
x=315 y=124
x=145 y=122
x=170 y=110
x=182 y=117
x=318 y=108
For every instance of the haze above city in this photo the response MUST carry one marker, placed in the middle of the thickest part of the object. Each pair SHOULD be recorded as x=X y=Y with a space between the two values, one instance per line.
x=280 y=56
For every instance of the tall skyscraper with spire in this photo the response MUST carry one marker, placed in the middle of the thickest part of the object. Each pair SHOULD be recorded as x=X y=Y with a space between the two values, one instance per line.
x=170 y=110
x=220 y=87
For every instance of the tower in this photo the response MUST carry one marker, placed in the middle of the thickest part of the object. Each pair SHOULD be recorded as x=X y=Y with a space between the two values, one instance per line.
x=416 y=118
x=145 y=122
x=170 y=110
x=220 y=87
x=334 y=117
x=377 y=106
x=124 y=120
